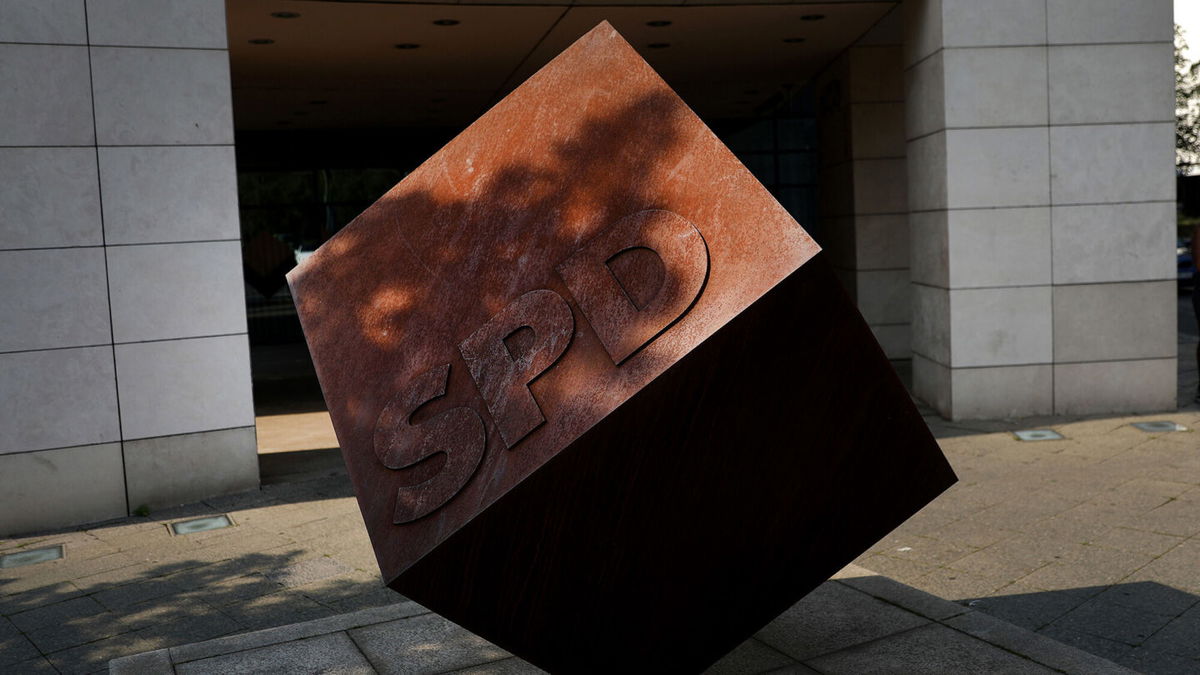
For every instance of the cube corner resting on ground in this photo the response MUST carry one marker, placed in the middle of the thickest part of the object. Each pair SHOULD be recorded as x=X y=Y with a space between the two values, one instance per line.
x=602 y=400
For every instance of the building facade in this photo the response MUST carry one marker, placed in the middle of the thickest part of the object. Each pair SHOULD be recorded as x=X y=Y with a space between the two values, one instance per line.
x=993 y=181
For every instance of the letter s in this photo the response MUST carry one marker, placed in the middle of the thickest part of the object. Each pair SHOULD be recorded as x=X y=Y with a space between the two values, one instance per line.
x=458 y=432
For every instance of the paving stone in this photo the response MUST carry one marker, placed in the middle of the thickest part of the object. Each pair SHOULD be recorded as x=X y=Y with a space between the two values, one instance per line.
x=165 y=610
x=34 y=666
x=376 y=595
x=928 y=649
x=55 y=614
x=1145 y=660
x=157 y=662
x=94 y=656
x=295 y=631
x=334 y=653
x=1139 y=541
x=1180 y=637
x=150 y=534
x=15 y=648
x=277 y=609
x=509 y=666
x=895 y=567
x=329 y=524
x=187 y=629
x=240 y=588
x=1023 y=513
x=1104 y=648
x=999 y=561
x=1150 y=597
x=930 y=550
x=121 y=576
x=956 y=585
x=969 y=533
x=39 y=597
x=402 y=646
x=916 y=601
x=74 y=632
x=76 y=569
x=1028 y=607
x=749 y=658
x=1091 y=571
x=1079 y=525
x=1036 y=647
x=308 y=571
x=1176 y=517
x=132 y=594
x=833 y=617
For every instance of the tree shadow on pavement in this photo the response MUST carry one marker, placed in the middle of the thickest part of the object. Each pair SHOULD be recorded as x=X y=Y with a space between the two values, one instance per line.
x=298 y=552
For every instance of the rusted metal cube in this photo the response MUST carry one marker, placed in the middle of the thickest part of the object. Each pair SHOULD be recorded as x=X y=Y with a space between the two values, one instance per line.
x=602 y=400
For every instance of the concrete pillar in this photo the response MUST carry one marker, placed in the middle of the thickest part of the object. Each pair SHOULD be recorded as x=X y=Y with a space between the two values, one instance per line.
x=124 y=366
x=1041 y=196
x=863 y=205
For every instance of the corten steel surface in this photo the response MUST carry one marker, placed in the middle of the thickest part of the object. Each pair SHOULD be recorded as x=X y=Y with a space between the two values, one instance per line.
x=601 y=399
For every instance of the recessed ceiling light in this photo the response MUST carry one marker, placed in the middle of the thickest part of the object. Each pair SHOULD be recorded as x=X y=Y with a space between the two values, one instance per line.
x=658 y=24
x=408 y=45
x=812 y=17
x=286 y=15
x=446 y=22
x=659 y=45
x=793 y=40
x=319 y=101
x=261 y=41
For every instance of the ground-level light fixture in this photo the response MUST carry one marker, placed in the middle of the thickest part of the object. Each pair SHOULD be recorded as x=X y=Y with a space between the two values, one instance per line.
x=1038 y=435
x=31 y=556
x=1158 y=427
x=200 y=524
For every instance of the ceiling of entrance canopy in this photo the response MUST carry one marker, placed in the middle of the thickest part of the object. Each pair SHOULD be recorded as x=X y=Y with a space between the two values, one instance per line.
x=332 y=64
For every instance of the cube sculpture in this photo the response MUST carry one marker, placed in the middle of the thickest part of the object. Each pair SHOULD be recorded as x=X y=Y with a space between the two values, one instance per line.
x=602 y=400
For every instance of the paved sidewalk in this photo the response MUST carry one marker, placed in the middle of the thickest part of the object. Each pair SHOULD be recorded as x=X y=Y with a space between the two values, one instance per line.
x=1093 y=540
x=858 y=623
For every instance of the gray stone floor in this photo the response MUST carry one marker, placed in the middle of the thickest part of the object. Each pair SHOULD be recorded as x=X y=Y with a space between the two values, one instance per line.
x=1093 y=540
x=857 y=623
